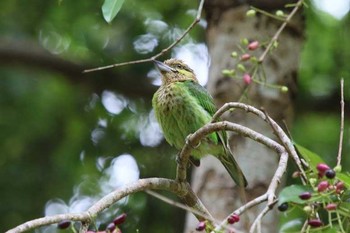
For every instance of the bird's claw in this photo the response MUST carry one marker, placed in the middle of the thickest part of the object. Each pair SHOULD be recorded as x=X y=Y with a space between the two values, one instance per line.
x=187 y=141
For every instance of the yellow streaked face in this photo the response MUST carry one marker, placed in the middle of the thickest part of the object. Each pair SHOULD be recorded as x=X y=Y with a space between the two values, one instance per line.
x=184 y=72
x=174 y=70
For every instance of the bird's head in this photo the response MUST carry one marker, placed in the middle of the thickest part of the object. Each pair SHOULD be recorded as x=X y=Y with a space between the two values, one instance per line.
x=174 y=70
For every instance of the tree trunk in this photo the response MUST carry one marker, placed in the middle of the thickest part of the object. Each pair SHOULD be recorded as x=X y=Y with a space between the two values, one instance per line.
x=227 y=25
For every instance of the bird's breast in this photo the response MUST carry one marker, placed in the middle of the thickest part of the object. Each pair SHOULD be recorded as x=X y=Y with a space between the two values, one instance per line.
x=170 y=98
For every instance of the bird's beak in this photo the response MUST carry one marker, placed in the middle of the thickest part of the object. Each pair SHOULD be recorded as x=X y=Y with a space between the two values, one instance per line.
x=162 y=67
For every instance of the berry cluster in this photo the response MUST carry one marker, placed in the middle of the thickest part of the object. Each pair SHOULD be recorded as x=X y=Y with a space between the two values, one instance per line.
x=248 y=66
x=245 y=56
x=112 y=227
x=327 y=194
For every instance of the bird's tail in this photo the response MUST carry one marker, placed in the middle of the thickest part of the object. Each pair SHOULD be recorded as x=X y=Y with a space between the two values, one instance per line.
x=233 y=168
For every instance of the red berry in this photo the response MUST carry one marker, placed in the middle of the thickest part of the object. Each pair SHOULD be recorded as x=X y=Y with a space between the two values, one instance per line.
x=245 y=57
x=63 y=224
x=120 y=219
x=315 y=222
x=200 y=226
x=247 y=79
x=322 y=168
x=253 y=45
x=322 y=186
x=330 y=173
x=233 y=218
x=230 y=220
x=305 y=196
x=331 y=206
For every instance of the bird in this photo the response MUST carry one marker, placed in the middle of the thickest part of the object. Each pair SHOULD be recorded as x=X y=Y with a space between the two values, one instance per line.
x=182 y=106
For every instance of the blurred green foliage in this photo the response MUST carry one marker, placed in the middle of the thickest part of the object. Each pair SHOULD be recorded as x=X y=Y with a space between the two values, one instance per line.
x=48 y=112
x=48 y=115
x=324 y=62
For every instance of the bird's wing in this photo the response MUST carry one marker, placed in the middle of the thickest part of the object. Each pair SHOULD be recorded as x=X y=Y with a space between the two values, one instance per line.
x=202 y=96
x=206 y=101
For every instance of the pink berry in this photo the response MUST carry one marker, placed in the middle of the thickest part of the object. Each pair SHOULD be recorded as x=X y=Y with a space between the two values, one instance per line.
x=120 y=219
x=247 y=79
x=322 y=168
x=305 y=196
x=245 y=57
x=253 y=45
x=200 y=226
x=331 y=206
x=339 y=186
x=315 y=222
x=322 y=186
x=110 y=227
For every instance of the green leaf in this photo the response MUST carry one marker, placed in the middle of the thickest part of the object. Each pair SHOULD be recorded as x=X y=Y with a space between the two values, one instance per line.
x=291 y=194
x=345 y=178
x=110 y=9
x=293 y=225
x=344 y=209
x=310 y=157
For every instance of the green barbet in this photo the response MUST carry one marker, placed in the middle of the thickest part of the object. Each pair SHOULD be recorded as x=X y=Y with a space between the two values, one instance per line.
x=182 y=106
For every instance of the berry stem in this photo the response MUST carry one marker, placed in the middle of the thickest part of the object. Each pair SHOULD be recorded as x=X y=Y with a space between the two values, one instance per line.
x=279 y=31
x=267 y=14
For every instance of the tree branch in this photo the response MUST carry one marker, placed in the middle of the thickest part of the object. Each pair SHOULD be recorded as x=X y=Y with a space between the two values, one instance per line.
x=161 y=53
x=276 y=128
x=341 y=133
x=105 y=202
x=180 y=187
x=28 y=54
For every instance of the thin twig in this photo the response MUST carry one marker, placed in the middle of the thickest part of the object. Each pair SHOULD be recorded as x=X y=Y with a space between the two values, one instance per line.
x=341 y=122
x=195 y=21
x=279 y=31
x=257 y=221
x=287 y=143
x=268 y=14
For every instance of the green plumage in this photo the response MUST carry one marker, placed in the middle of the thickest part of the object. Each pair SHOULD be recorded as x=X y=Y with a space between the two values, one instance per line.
x=182 y=106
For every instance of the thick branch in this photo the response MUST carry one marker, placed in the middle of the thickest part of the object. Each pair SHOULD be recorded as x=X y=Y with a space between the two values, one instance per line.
x=200 y=134
x=282 y=136
x=140 y=185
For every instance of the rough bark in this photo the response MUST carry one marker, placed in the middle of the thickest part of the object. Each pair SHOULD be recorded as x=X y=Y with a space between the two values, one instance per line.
x=227 y=25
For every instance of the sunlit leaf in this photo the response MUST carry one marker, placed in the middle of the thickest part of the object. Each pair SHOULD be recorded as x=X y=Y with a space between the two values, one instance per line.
x=291 y=194
x=110 y=9
x=310 y=157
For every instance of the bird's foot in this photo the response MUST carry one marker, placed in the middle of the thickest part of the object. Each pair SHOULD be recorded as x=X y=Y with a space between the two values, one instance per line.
x=187 y=141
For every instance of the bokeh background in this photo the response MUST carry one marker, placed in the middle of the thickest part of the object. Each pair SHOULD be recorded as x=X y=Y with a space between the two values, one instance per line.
x=67 y=138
